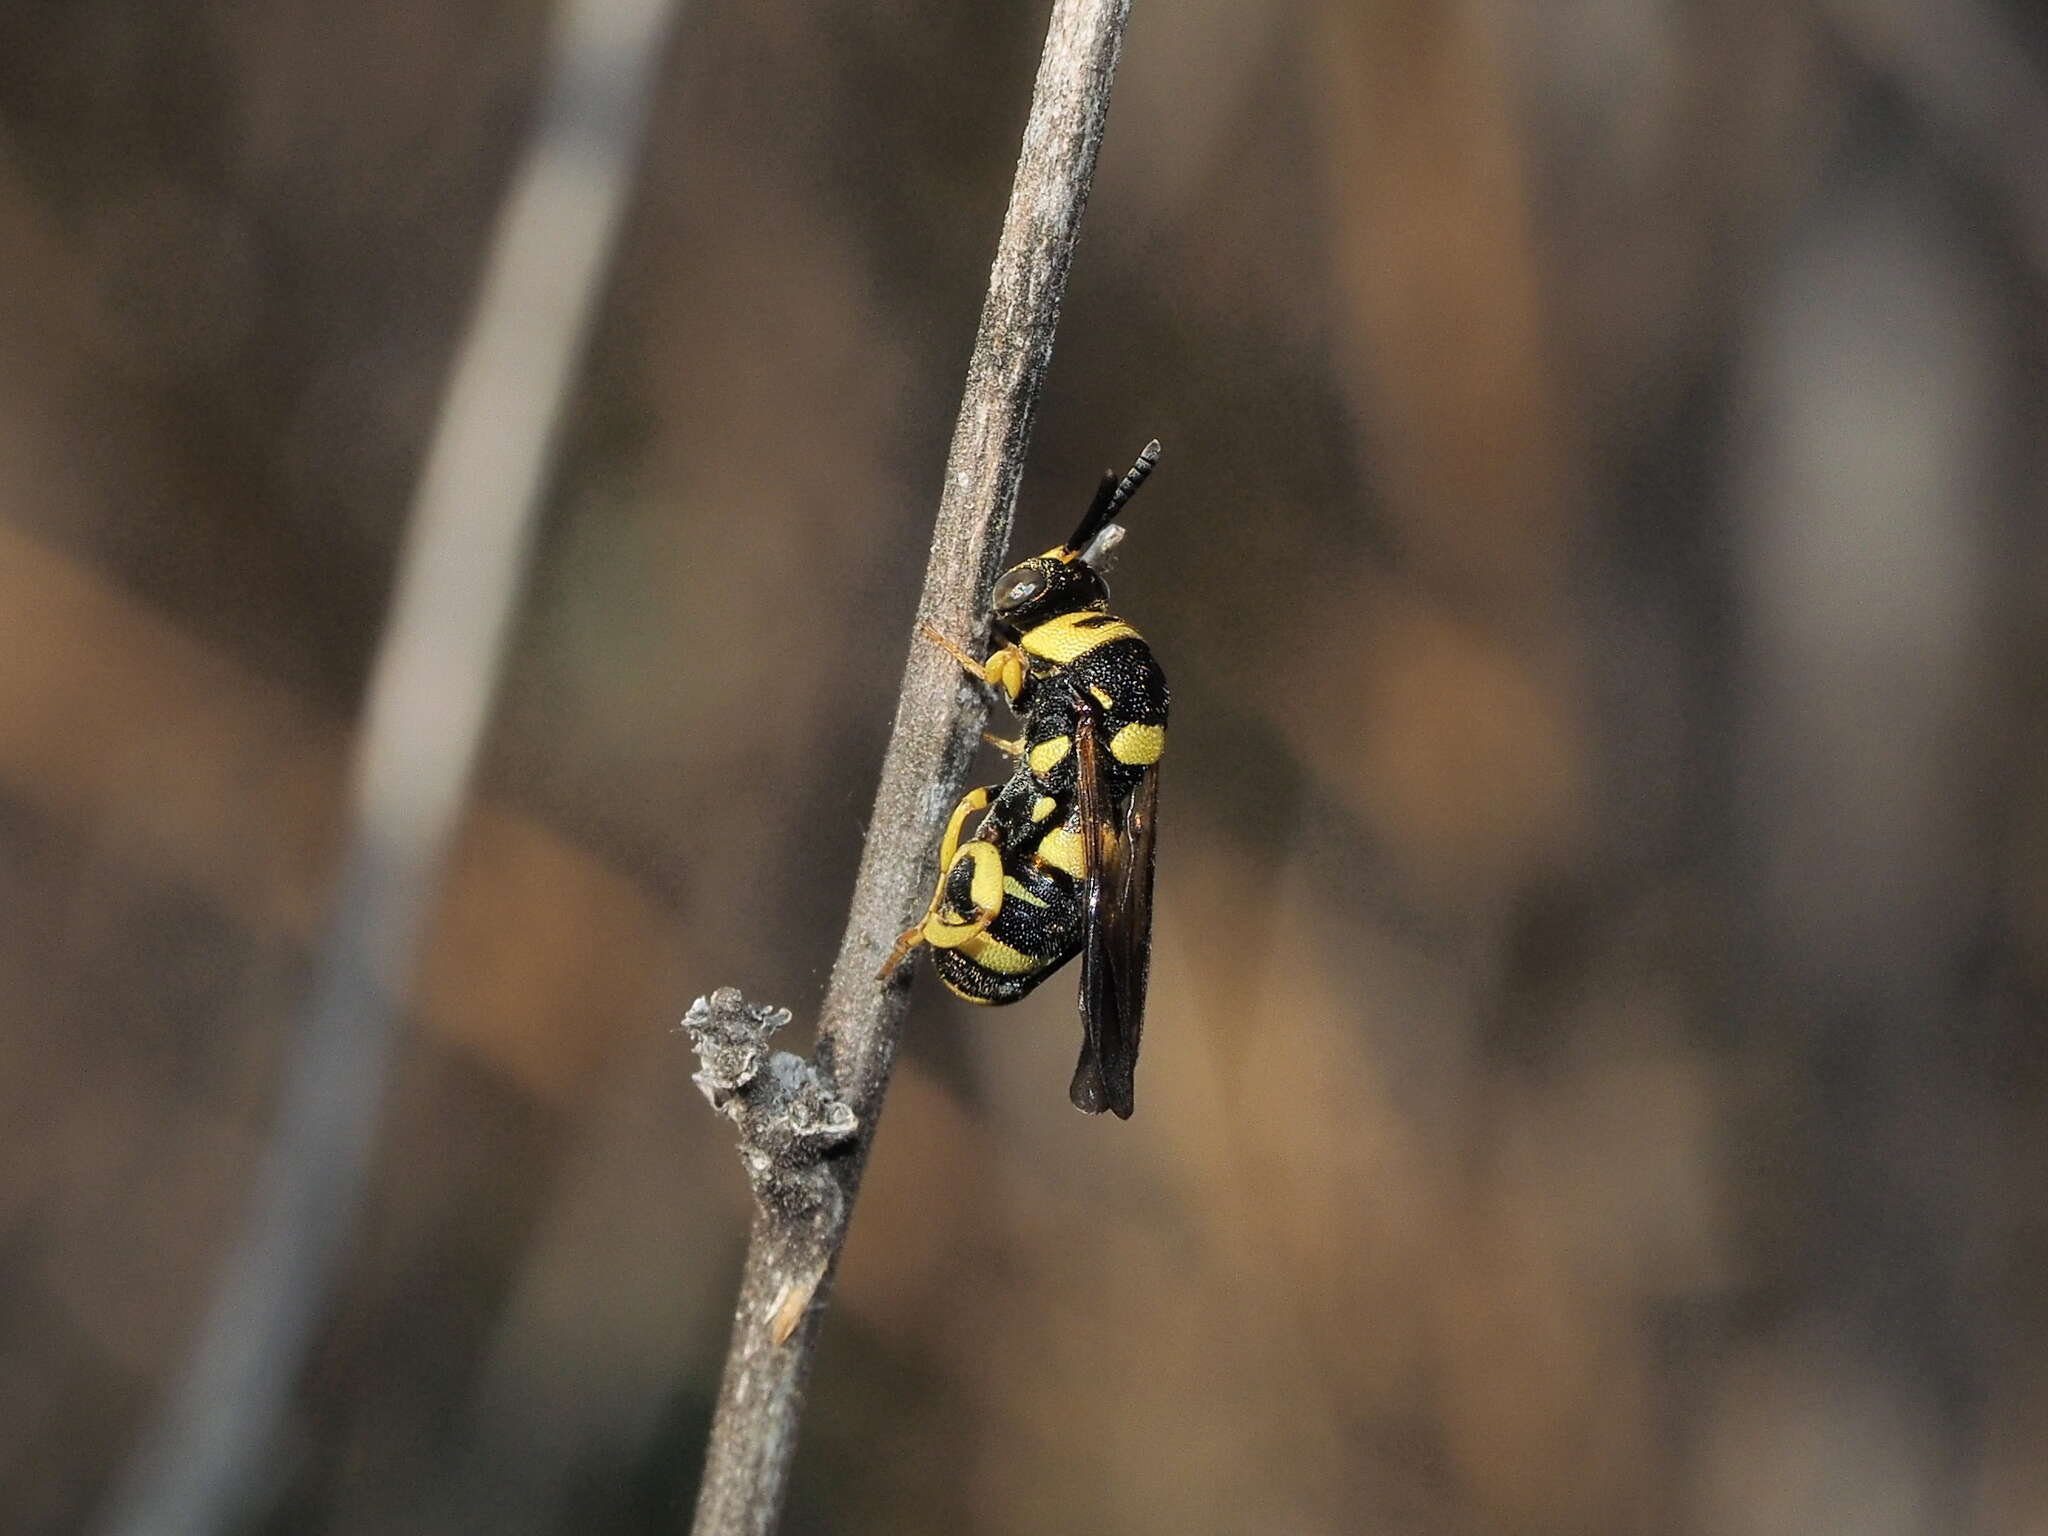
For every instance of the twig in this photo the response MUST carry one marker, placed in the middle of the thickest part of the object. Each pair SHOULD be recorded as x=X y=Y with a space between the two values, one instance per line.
x=801 y=1223
x=436 y=674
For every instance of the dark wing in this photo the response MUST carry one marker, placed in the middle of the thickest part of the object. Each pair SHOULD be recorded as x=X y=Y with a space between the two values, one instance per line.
x=1130 y=931
x=1116 y=952
x=1090 y=1089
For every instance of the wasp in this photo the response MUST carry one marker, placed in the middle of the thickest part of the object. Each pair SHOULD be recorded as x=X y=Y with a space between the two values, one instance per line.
x=1060 y=860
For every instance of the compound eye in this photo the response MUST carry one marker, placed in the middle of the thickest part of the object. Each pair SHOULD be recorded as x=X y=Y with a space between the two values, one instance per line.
x=1016 y=593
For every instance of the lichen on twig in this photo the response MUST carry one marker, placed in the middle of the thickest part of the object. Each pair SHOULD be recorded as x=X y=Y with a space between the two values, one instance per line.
x=788 y=1113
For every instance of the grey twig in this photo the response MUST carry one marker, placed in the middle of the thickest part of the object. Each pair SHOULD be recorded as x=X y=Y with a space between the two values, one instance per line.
x=792 y=1252
x=207 y=1458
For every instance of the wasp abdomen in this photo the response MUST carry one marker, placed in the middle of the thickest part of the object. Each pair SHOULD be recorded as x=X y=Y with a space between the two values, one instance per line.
x=1036 y=924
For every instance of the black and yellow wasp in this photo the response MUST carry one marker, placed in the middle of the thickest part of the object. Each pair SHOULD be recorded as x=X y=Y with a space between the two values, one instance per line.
x=1060 y=862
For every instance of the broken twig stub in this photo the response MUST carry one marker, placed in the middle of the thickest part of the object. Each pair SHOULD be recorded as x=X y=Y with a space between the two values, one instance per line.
x=789 y=1117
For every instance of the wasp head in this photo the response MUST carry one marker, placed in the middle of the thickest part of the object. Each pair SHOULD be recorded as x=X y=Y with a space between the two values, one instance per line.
x=1044 y=587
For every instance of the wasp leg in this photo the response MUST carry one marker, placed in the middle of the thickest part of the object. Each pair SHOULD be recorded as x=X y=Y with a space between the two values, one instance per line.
x=1005 y=668
x=1014 y=748
x=969 y=897
x=906 y=941
x=966 y=661
x=949 y=848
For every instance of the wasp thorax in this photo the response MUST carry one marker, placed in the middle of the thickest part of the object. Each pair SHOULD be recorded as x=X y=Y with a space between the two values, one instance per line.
x=1045 y=587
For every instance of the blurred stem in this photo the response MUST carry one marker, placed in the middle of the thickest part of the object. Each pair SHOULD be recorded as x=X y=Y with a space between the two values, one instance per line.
x=1961 y=65
x=205 y=1465
x=792 y=1252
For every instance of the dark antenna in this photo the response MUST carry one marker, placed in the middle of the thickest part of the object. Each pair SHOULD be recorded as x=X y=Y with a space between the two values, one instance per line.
x=1110 y=499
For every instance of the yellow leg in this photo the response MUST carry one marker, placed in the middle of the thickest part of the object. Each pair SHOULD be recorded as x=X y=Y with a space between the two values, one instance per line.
x=974 y=800
x=947 y=925
x=1007 y=669
x=1004 y=669
x=906 y=941
x=1014 y=748
x=973 y=668
x=949 y=847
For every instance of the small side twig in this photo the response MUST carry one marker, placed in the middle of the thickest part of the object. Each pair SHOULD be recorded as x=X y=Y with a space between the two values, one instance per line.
x=788 y=1114
x=799 y=1227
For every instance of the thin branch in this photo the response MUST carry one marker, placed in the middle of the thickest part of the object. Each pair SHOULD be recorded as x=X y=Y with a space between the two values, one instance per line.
x=800 y=1222
x=430 y=695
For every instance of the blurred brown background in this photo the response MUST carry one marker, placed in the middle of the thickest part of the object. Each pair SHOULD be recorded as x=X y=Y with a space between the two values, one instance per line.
x=1595 y=1072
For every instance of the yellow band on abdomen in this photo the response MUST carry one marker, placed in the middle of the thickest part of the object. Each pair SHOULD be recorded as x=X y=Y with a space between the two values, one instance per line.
x=994 y=955
x=1065 y=851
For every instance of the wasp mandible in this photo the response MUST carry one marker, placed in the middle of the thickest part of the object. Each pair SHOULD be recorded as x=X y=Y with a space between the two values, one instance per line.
x=1060 y=862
